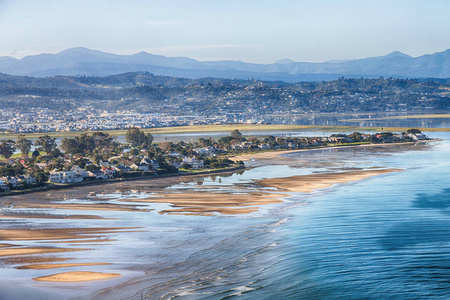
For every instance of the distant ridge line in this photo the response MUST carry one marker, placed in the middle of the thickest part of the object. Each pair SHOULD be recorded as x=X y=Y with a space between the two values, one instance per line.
x=84 y=61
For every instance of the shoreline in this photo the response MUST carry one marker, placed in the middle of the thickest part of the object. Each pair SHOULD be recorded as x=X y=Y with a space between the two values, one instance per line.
x=277 y=153
x=114 y=180
x=264 y=154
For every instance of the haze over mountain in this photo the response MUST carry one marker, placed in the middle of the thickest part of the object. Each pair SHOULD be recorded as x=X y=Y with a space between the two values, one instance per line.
x=82 y=61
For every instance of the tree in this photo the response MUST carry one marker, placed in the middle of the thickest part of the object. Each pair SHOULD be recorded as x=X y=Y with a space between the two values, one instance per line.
x=148 y=141
x=137 y=138
x=40 y=175
x=356 y=136
x=102 y=139
x=186 y=166
x=165 y=146
x=35 y=153
x=24 y=145
x=46 y=143
x=92 y=168
x=7 y=148
x=70 y=146
x=413 y=131
x=236 y=134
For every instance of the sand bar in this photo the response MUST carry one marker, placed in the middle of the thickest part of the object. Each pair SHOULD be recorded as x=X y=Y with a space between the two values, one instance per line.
x=32 y=259
x=104 y=207
x=77 y=276
x=56 y=266
x=34 y=250
x=47 y=216
x=58 y=233
x=204 y=203
x=309 y=183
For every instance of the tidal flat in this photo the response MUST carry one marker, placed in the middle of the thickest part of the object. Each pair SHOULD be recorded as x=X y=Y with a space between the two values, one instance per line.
x=180 y=236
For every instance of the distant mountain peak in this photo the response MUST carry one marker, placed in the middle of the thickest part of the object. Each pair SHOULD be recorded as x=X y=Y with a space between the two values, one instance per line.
x=77 y=49
x=397 y=54
x=284 y=61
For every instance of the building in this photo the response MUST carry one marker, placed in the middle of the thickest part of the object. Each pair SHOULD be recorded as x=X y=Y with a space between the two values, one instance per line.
x=64 y=177
x=195 y=163
x=140 y=167
x=28 y=179
x=4 y=185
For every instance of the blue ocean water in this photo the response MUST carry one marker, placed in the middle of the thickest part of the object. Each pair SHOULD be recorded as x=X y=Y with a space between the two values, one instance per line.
x=387 y=237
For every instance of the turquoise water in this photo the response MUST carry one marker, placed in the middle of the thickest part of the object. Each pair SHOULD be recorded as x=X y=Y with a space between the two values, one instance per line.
x=386 y=237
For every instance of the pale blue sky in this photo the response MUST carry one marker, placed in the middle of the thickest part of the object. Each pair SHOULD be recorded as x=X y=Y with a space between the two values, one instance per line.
x=250 y=30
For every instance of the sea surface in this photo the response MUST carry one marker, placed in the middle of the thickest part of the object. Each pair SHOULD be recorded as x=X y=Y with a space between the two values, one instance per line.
x=385 y=237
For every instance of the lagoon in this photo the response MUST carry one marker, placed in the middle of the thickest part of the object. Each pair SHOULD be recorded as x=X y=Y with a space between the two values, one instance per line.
x=380 y=237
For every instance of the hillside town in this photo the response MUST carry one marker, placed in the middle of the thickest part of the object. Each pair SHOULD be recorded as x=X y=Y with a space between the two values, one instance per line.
x=59 y=104
x=98 y=157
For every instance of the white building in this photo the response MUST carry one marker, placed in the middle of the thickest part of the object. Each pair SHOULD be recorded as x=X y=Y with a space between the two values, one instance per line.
x=64 y=177
x=195 y=163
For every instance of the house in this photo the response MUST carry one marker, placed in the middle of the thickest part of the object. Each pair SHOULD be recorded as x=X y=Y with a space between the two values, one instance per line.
x=64 y=177
x=104 y=164
x=265 y=146
x=41 y=165
x=125 y=151
x=122 y=168
x=417 y=136
x=109 y=173
x=337 y=139
x=113 y=158
x=97 y=174
x=175 y=154
x=140 y=167
x=28 y=179
x=152 y=163
x=4 y=185
x=10 y=181
x=80 y=172
x=195 y=163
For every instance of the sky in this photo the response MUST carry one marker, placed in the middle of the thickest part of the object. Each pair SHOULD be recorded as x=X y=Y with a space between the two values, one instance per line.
x=261 y=31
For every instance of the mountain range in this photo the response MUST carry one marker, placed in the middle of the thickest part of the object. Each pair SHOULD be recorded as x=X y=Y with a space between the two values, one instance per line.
x=83 y=61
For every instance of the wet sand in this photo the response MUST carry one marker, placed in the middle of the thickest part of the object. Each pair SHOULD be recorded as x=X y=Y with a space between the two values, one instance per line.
x=77 y=276
x=202 y=203
x=56 y=266
x=58 y=234
x=310 y=183
x=105 y=207
x=34 y=250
